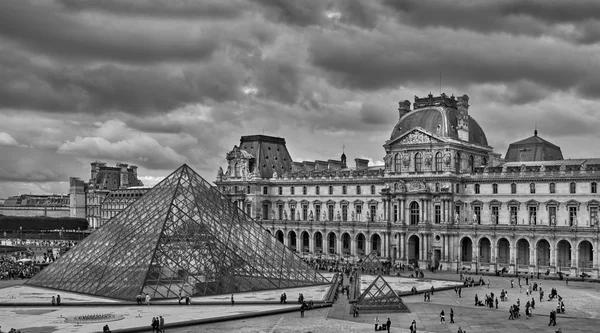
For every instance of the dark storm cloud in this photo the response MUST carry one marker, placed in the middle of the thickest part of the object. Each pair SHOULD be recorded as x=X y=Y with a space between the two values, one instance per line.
x=158 y=8
x=113 y=87
x=373 y=113
x=278 y=80
x=359 y=13
x=373 y=60
x=300 y=13
x=46 y=29
x=517 y=17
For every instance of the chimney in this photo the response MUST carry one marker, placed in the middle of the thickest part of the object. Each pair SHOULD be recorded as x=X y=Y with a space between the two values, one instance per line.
x=463 y=117
x=308 y=165
x=320 y=165
x=334 y=165
x=403 y=108
x=297 y=167
x=124 y=175
x=361 y=163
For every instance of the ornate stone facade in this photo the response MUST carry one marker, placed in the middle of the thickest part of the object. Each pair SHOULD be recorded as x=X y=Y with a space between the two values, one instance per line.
x=443 y=198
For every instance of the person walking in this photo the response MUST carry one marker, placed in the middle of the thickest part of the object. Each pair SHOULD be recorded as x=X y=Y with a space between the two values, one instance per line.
x=388 y=324
x=154 y=324
x=451 y=316
x=57 y=299
x=161 y=324
x=442 y=317
x=376 y=322
x=147 y=299
x=53 y=300
x=232 y=300
x=302 y=308
x=413 y=327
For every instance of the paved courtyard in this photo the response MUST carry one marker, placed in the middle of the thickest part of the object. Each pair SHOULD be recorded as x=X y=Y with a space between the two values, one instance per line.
x=582 y=301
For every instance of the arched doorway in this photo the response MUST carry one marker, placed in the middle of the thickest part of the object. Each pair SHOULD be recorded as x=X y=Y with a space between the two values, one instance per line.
x=485 y=250
x=331 y=243
x=563 y=255
x=543 y=253
x=305 y=241
x=279 y=236
x=523 y=252
x=292 y=240
x=376 y=244
x=466 y=249
x=346 y=244
x=318 y=242
x=413 y=249
x=503 y=256
x=360 y=244
x=586 y=255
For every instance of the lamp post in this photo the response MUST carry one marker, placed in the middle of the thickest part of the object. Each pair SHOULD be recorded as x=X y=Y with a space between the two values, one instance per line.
x=538 y=268
x=517 y=266
x=456 y=264
x=476 y=265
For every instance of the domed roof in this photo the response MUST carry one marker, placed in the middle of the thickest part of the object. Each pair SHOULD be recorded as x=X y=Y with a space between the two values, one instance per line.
x=439 y=120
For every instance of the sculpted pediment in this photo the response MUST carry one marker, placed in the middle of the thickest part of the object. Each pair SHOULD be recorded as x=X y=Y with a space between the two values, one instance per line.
x=417 y=136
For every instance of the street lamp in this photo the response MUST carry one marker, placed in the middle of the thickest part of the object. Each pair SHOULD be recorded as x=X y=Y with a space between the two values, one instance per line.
x=456 y=264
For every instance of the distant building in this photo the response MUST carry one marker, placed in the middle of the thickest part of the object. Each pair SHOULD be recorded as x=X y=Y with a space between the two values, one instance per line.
x=53 y=205
x=87 y=198
x=115 y=201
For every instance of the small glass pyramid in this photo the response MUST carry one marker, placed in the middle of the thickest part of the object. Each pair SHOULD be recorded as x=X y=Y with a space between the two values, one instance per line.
x=380 y=297
x=181 y=238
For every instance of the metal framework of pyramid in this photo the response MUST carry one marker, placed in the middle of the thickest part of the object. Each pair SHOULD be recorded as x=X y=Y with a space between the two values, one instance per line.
x=370 y=262
x=380 y=297
x=183 y=237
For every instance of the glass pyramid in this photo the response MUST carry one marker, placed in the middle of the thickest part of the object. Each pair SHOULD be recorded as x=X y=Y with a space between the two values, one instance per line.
x=181 y=238
x=380 y=297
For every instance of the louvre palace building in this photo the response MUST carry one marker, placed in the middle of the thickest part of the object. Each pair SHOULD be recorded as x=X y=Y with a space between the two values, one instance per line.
x=443 y=199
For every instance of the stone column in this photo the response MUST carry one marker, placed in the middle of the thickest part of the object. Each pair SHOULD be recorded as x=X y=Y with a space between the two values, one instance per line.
x=401 y=252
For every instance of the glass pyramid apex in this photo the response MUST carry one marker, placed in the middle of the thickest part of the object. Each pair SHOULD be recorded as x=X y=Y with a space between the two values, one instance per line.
x=182 y=238
x=379 y=296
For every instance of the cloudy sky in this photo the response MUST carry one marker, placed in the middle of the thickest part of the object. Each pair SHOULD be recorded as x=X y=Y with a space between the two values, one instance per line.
x=161 y=83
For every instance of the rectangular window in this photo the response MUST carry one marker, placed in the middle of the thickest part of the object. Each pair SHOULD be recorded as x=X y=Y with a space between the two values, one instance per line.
x=358 y=212
x=477 y=212
x=532 y=215
x=317 y=190
x=249 y=209
x=330 y=212
x=304 y=212
x=495 y=214
x=265 y=190
x=292 y=190
x=594 y=188
x=395 y=213
x=514 y=218
x=457 y=213
x=304 y=190
x=292 y=213
x=330 y=190
x=594 y=215
x=572 y=215
x=265 y=212
x=495 y=188
x=318 y=212
x=344 y=213
x=438 y=214
x=280 y=212
x=280 y=190
x=373 y=213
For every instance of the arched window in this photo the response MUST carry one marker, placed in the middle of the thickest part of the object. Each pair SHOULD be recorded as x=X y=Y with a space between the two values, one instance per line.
x=477 y=188
x=317 y=190
x=397 y=163
x=552 y=188
x=236 y=168
x=414 y=212
x=330 y=190
x=532 y=188
x=418 y=162
x=344 y=190
x=471 y=163
x=372 y=189
x=358 y=189
x=572 y=188
x=513 y=188
x=457 y=163
x=438 y=161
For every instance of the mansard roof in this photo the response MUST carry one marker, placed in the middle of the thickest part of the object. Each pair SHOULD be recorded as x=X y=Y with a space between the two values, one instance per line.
x=533 y=148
